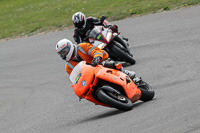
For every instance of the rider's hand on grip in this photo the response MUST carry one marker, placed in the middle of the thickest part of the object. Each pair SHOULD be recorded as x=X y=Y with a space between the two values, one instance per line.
x=96 y=61
x=102 y=18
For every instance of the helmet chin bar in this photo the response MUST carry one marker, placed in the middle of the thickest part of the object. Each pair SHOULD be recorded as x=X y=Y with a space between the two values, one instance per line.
x=64 y=58
x=73 y=54
x=70 y=54
x=83 y=25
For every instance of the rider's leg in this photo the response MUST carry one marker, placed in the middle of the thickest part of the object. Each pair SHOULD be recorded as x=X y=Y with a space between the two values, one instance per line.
x=112 y=64
x=132 y=75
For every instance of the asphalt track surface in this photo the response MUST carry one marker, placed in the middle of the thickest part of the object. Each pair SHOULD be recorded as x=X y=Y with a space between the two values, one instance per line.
x=36 y=96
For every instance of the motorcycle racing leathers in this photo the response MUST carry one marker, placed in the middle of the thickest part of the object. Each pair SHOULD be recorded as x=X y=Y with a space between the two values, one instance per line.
x=81 y=35
x=86 y=52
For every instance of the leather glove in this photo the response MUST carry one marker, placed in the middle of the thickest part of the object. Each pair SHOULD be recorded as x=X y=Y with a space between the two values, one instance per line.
x=96 y=61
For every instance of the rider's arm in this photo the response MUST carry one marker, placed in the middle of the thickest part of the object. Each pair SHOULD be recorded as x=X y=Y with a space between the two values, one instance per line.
x=98 y=52
x=105 y=23
x=94 y=21
x=77 y=37
x=69 y=66
x=94 y=51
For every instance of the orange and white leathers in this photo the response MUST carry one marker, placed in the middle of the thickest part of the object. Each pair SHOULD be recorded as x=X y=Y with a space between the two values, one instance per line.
x=87 y=52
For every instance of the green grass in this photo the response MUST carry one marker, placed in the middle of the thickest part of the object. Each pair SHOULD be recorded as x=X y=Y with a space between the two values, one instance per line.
x=28 y=17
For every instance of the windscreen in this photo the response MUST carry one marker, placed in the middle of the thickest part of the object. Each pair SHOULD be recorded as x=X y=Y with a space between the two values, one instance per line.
x=94 y=33
x=76 y=73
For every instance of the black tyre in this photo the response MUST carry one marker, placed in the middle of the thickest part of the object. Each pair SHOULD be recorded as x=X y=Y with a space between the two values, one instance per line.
x=147 y=91
x=120 y=102
x=124 y=56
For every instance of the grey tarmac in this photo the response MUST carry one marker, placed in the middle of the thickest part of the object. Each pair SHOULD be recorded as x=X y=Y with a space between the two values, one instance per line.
x=36 y=96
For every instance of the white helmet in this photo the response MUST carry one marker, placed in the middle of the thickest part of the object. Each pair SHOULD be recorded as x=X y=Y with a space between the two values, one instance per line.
x=65 y=49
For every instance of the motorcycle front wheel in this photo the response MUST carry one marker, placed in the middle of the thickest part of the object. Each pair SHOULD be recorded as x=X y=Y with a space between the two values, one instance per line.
x=120 y=102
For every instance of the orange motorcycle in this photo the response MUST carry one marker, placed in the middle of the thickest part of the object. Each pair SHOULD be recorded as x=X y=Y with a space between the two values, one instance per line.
x=108 y=87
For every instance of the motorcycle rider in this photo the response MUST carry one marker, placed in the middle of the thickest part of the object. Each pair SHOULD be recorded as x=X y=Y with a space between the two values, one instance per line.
x=84 y=25
x=73 y=54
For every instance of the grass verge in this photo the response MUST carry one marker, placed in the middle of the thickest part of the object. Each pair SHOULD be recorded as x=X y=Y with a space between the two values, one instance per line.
x=28 y=17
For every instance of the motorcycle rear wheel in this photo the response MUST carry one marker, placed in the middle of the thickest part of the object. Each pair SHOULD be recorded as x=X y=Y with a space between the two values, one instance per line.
x=120 y=102
x=146 y=91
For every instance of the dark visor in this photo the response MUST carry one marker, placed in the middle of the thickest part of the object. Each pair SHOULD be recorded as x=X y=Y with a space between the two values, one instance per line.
x=64 y=52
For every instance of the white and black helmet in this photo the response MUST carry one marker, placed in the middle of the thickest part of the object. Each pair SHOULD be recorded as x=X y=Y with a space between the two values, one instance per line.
x=79 y=20
x=65 y=49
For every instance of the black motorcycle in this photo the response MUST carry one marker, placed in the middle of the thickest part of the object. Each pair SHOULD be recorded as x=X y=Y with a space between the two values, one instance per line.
x=111 y=42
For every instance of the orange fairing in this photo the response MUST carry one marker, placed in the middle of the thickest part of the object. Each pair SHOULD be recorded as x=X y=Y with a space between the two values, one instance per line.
x=84 y=77
x=118 y=77
x=83 y=84
x=132 y=92
x=83 y=88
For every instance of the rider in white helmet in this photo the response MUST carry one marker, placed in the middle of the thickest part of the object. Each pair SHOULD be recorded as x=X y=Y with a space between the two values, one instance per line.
x=65 y=48
x=73 y=54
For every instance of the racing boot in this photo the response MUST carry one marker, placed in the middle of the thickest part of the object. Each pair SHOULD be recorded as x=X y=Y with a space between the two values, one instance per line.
x=137 y=80
x=131 y=74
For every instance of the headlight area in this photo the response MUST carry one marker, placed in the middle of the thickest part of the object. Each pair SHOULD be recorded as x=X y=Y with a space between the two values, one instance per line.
x=109 y=36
